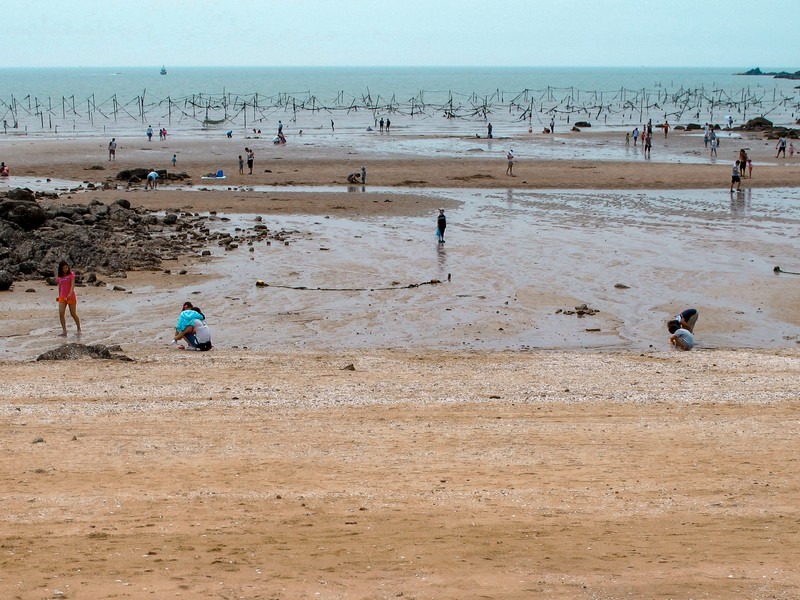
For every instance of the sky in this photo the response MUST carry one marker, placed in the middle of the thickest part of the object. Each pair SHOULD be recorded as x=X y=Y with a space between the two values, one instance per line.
x=635 y=33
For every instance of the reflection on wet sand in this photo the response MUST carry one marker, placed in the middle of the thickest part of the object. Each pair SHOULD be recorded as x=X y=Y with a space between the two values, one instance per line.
x=513 y=258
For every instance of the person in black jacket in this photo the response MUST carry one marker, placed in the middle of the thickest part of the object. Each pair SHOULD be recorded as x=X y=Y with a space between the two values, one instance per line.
x=441 y=225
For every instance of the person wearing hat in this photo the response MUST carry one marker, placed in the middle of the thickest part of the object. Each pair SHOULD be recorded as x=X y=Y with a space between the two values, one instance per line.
x=441 y=225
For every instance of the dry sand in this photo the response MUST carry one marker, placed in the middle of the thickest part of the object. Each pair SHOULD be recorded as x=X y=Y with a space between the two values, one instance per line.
x=419 y=474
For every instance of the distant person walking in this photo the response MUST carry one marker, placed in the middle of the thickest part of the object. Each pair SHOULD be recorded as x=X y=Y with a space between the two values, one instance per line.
x=363 y=174
x=666 y=129
x=635 y=135
x=149 y=133
x=648 y=144
x=388 y=125
x=713 y=145
x=552 y=125
x=67 y=297
x=510 y=166
x=441 y=225
x=735 y=177
x=489 y=131
x=333 y=128
x=241 y=165
x=381 y=124
x=251 y=158
x=280 y=127
x=112 y=149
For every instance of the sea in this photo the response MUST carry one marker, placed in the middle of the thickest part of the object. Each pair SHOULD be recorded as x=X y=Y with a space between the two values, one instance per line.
x=458 y=101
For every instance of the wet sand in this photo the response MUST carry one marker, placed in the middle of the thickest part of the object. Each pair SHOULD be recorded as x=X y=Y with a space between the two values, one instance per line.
x=485 y=445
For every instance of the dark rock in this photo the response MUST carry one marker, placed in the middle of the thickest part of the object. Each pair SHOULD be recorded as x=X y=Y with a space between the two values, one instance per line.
x=693 y=127
x=583 y=124
x=757 y=124
x=6 y=281
x=170 y=219
x=28 y=214
x=21 y=194
x=123 y=203
x=79 y=351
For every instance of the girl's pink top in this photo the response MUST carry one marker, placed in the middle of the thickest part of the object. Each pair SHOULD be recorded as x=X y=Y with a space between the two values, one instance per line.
x=65 y=284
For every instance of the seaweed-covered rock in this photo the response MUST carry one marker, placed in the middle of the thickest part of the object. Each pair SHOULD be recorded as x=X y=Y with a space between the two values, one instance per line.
x=78 y=351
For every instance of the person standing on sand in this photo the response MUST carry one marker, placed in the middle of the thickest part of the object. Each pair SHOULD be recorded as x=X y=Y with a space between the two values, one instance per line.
x=388 y=124
x=363 y=174
x=174 y=160
x=735 y=177
x=742 y=162
x=510 y=166
x=489 y=131
x=280 y=127
x=552 y=125
x=149 y=133
x=381 y=124
x=332 y=126
x=635 y=135
x=648 y=144
x=112 y=149
x=441 y=225
x=67 y=297
x=251 y=158
x=791 y=149
x=781 y=146
x=713 y=145
x=666 y=129
x=241 y=165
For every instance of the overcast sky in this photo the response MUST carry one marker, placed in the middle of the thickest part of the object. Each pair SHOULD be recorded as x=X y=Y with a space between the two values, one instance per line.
x=121 y=33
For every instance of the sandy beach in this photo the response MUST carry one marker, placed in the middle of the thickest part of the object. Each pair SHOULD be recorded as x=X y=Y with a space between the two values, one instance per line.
x=482 y=443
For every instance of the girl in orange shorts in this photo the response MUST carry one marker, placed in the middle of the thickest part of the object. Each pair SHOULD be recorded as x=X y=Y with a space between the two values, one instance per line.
x=67 y=297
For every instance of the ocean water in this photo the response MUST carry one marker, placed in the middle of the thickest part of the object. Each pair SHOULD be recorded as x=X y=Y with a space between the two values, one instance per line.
x=418 y=101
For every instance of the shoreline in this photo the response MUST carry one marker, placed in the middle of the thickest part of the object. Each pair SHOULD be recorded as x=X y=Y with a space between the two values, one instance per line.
x=392 y=440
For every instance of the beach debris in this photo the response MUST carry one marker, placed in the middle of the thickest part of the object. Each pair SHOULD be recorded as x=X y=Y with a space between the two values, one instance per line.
x=76 y=351
x=580 y=311
x=622 y=286
x=261 y=283
x=775 y=270
x=350 y=367
x=38 y=440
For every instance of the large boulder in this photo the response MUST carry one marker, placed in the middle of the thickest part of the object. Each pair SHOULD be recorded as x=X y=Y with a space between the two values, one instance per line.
x=25 y=213
x=21 y=194
x=758 y=124
x=6 y=281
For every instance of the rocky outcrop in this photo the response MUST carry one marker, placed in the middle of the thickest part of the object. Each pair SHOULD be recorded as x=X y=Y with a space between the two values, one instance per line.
x=760 y=124
x=775 y=74
x=104 y=238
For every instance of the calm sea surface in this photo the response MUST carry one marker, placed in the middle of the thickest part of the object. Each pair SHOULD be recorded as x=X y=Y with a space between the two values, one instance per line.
x=87 y=101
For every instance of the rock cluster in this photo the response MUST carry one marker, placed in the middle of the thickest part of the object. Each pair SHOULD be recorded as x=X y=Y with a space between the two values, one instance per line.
x=767 y=127
x=98 y=238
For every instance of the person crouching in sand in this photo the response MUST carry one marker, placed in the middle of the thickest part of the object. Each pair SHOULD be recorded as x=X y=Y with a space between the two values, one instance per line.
x=681 y=329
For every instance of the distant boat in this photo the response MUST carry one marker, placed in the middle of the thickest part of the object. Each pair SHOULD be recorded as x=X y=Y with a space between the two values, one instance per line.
x=163 y=70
